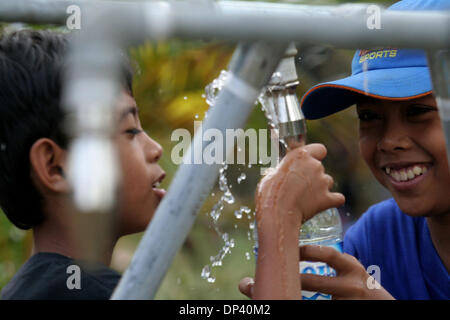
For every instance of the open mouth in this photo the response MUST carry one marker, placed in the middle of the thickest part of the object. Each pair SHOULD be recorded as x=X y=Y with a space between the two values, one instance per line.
x=155 y=186
x=406 y=173
x=406 y=177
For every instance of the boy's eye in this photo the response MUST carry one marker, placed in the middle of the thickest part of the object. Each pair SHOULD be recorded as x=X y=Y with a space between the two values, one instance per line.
x=418 y=110
x=366 y=115
x=133 y=131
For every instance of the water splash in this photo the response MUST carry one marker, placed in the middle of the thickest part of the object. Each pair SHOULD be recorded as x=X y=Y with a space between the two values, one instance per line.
x=239 y=213
x=213 y=89
x=206 y=274
x=215 y=213
x=211 y=92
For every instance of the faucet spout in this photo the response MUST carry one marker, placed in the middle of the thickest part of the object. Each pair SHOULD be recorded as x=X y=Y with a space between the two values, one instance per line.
x=281 y=104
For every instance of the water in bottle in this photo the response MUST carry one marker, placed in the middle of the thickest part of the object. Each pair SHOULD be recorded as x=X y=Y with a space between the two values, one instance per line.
x=324 y=229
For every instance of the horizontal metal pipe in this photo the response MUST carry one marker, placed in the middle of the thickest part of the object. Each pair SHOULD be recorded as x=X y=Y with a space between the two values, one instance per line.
x=343 y=26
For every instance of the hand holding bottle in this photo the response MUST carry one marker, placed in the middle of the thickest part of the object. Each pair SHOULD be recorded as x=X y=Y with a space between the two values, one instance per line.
x=292 y=193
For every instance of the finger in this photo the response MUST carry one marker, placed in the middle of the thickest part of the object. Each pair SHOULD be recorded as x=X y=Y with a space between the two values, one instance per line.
x=336 y=199
x=316 y=150
x=246 y=286
x=331 y=200
x=339 y=261
x=324 y=284
x=330 y=181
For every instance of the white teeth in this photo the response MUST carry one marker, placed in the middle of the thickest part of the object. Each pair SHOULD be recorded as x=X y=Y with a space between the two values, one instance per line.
x=396 y=175
x=410 y=174
x=406 y=174
x=403 y=175
x=156 y=185
x=417 y=170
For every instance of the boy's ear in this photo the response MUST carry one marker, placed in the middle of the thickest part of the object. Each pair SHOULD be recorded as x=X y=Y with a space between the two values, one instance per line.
x=48 y=165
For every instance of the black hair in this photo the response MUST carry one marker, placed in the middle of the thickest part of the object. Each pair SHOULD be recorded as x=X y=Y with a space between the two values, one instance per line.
x=31 y=72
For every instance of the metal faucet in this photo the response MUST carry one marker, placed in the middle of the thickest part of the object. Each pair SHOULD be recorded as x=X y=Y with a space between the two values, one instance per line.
x=281 y=104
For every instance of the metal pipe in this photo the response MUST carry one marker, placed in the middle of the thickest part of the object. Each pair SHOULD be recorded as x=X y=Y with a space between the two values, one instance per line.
x=281 y=106
x=249 y=70
x=342 y=26
x=439 y=62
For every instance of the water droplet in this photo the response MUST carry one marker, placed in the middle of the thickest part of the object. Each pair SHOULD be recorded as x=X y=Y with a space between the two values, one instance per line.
x=242 y=177
x=211 y=279
x=277 y=77
x=206 y=272
x=185 y=97
x=247 y=255
x=212 y=90
x=228 y=197
x=238 y=214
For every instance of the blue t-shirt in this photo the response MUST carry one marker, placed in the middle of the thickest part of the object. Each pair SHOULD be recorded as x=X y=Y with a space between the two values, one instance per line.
x=401 y=247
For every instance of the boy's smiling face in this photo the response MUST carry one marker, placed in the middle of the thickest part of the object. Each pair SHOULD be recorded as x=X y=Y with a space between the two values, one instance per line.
x=404 y=146
x=138 y=155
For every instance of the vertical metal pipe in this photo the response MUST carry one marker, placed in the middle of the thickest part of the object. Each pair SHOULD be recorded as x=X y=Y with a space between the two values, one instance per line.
x=249 y=70
x=439 y=61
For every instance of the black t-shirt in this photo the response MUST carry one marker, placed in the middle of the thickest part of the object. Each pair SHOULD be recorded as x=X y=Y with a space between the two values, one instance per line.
x=53 y=276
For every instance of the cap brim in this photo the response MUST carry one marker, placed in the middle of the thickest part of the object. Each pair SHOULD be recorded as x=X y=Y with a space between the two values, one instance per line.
x=390 y=84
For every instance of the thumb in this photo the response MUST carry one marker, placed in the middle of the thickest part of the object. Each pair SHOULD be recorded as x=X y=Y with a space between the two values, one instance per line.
x=246 y=286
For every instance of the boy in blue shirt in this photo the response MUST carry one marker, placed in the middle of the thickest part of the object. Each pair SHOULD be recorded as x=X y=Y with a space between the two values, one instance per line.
x=407 y=238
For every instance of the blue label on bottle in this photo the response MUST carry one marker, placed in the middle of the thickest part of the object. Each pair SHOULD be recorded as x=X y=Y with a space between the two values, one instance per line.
x=318 y=268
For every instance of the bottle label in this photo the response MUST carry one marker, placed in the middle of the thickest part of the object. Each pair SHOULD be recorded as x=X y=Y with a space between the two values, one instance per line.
x=321 y=269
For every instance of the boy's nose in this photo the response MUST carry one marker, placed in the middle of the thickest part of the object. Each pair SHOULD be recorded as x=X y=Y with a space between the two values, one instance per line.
x=154 y=150
x=395 y=138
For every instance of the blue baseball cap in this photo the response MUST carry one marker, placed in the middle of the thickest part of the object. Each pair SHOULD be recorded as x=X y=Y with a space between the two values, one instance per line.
x=383 y=73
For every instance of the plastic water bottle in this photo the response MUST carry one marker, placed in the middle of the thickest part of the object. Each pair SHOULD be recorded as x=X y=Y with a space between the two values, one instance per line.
x=324 y=229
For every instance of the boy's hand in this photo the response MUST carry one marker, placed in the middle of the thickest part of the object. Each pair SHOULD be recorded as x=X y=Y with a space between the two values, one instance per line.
x=299 y=186
x=352 y=282
x=292 y=193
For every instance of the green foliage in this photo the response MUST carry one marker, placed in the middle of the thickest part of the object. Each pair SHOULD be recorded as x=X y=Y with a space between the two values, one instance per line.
x=15 y=245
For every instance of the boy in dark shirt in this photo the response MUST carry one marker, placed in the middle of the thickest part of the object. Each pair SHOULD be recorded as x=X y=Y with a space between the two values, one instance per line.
x=34 y=191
